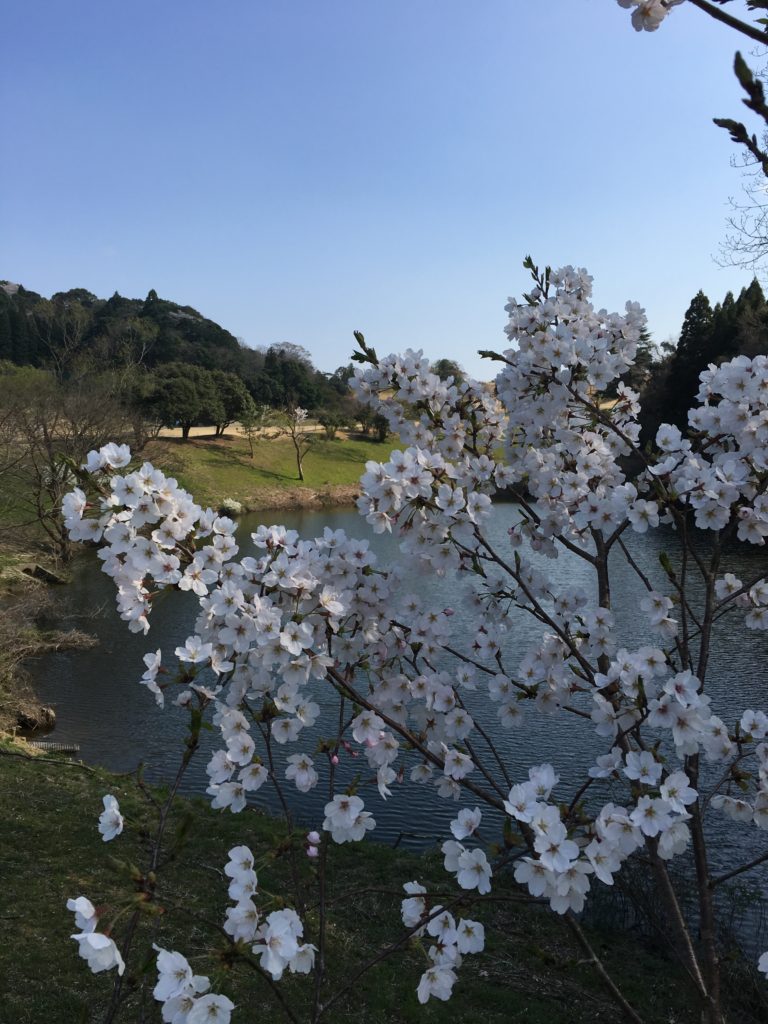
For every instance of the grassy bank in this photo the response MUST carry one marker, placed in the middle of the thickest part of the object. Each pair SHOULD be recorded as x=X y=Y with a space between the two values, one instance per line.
x=211 y=469
x=216 y=468
x=25 y=632
x=531 y=972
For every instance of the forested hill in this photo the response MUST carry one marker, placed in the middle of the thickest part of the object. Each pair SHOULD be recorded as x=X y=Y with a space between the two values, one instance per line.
x=76 y=326
x=75 y=334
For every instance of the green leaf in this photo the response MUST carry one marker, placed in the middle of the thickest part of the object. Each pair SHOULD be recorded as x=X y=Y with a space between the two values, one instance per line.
x=666 y=565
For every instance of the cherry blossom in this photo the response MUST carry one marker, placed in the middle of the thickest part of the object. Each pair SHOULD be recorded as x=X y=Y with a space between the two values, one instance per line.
x=275 y=626
x=99 y=951
x=110 y=820
x=86 y=918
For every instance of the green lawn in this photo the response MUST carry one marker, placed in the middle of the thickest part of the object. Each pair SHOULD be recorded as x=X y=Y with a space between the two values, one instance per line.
x=216 y=468
x=531 y=971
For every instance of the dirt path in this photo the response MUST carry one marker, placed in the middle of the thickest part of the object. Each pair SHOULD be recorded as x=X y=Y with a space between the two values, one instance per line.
x=303 y=497
x=235 y=430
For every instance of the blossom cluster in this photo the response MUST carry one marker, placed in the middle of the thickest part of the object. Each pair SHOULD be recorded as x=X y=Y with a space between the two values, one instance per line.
x=97 y=949
x=722 y=480
x=451 y=941
x=564 y=448
x=561 y=868
x=277 y=938
x=185 y=995
x=303 y=618
x=647 y=15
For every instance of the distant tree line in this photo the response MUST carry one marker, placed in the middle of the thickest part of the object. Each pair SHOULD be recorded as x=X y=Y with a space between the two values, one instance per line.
x=668 y=379
x=77 y=371
x=167 y=361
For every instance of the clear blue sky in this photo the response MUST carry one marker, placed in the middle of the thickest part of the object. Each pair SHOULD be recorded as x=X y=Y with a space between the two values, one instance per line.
x=296 y=169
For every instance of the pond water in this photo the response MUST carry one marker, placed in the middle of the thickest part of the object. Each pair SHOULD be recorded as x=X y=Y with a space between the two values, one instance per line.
x=101 y=706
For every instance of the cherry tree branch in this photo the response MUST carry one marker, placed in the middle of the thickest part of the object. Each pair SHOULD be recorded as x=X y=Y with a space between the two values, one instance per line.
x=743 y=27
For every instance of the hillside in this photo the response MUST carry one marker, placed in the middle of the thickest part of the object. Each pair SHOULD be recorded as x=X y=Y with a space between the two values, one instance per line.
x=75 y=333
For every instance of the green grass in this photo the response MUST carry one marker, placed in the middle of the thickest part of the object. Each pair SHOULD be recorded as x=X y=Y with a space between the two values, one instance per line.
x=531 y=971
x=216 y=468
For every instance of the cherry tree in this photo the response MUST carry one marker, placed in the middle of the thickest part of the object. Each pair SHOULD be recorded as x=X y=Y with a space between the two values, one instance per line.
x=308 y=619
x=295 y=425
x=304 y=622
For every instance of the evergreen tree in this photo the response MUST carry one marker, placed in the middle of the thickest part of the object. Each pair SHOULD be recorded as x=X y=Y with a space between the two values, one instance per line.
x=750 y=328
x=6 y=337
x=232 y=399
x=22 y=347
x=173 y=400
x=708 y=336
x=725 y=317
x=691 y=356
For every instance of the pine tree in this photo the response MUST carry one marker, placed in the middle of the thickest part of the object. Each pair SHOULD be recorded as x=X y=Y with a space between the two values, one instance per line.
x=750 y=330
x=725 y=329
x=691 y=356
x=6 y=338
x=21 y=340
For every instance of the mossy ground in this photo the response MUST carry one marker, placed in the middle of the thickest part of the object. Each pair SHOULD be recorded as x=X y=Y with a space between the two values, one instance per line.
x=531 y=970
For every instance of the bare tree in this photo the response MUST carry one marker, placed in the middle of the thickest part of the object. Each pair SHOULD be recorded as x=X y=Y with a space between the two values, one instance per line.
x=746 y=243
x=295 y=426
x=46 y=431
x=254 y=420
x=61 y=327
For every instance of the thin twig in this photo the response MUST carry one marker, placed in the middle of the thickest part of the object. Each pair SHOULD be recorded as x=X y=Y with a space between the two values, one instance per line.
x=599 y=966
x=738 y=871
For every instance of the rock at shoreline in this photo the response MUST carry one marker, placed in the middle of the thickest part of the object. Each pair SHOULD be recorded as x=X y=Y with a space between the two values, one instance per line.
x=329 y=496
x=39 y=572
x=33 y=720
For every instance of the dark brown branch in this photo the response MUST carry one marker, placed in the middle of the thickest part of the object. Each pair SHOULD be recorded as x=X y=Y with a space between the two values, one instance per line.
x=728 y=19
x=713 y=882
x=599 y=967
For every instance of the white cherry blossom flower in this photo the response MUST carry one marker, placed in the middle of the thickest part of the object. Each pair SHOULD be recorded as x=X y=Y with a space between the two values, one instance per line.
x=474 y=871
x=466 y=823
x=110 y=820
x=211 y=1009
x=437 y=981
x=99 y=951
x=86 y=918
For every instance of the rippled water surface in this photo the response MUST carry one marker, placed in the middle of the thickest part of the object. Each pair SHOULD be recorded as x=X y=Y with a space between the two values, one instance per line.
x=101 y=706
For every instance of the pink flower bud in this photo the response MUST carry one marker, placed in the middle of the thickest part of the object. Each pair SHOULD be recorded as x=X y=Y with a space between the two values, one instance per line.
x=313 y=838
x=312 y=851
x=334 y=759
